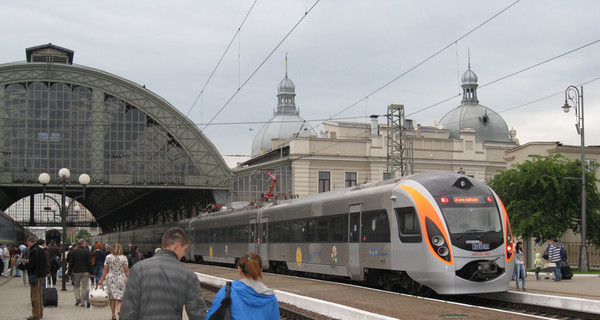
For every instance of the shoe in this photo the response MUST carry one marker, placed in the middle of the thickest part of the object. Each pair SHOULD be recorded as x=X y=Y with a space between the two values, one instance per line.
x=32 y=318
x=77 y=302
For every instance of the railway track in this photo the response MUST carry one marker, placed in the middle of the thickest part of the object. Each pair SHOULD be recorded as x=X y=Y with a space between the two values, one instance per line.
x=287 y=312
x=541 y=311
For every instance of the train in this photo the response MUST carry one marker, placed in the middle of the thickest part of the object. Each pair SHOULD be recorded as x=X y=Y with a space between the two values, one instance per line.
x=430 y=232
x=11 y=232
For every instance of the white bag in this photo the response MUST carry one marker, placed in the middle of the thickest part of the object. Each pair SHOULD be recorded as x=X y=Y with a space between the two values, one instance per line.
x=98 y=297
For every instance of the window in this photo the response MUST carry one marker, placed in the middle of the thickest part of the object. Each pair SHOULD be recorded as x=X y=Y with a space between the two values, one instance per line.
x=408 y=225
x=375 y=226
x=324 y=181
x=338 y=229
x=350 y=179
x=323 y=230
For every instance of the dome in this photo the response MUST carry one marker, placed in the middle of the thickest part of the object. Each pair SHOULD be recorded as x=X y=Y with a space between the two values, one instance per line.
x=469 y=77
x=281 y=126
x=489 y=126
x=286 y=85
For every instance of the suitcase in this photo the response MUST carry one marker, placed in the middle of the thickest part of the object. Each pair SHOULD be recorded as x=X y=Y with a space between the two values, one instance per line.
x=50 y=295
x=566 y=271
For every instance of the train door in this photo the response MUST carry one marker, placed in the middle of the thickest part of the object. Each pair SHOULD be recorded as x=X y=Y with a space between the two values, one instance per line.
x=354 y=242
x=253 y=243
x=263 y=228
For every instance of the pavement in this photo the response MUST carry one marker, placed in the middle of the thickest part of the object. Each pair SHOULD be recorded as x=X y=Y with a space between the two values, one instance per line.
x=16 y=304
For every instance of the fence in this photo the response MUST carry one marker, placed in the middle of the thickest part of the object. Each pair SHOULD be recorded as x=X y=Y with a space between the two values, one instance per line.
x=573 y=254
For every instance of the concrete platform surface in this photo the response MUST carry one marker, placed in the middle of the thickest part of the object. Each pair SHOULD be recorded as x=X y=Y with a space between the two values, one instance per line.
x=15 y=304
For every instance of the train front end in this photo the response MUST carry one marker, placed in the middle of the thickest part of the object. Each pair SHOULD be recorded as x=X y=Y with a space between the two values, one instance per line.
x=466 y=233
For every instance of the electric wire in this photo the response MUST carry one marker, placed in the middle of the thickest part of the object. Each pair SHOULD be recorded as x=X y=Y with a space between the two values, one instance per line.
x=427 y=59
x=222 y=56
x=261 y=64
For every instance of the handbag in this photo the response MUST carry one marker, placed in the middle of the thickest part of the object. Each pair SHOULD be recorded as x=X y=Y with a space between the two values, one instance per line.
x=99 y=297
x=224 y=311
x=21 y=265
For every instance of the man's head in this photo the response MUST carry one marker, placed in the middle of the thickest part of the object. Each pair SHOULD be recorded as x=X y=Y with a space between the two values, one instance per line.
x=31 y=240
x=553 y=240
x=81 y=243
x=176 y=240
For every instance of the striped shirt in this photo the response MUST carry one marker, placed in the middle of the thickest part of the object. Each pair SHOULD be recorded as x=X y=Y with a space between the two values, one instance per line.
x=554 y=252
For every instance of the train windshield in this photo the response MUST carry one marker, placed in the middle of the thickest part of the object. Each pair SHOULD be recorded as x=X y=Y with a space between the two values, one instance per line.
x=472 y=219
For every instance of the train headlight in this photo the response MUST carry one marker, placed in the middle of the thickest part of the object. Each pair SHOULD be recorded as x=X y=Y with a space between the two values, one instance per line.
x=438 y=240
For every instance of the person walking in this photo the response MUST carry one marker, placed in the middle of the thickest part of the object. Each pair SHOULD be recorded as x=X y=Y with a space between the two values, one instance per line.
x=115 y=273
x=100 y=257
x=80 y=265
x=250 y=298
x=520 y=264
x=134 y=256
x=160 y=287
x=555 y=256
x=24 y=255
x=54 y=253
x=37 y=270
x=5 y=260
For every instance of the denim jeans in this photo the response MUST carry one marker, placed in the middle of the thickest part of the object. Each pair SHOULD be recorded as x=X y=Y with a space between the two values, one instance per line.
x=520 y=268
x=557 y=272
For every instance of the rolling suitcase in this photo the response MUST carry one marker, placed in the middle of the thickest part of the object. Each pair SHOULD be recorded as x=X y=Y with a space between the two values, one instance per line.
x=50 y=295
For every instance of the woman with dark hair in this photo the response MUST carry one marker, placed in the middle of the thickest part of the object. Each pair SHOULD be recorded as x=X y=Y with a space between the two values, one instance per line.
x=134 y=256
x=250 y=298
x=520 y=264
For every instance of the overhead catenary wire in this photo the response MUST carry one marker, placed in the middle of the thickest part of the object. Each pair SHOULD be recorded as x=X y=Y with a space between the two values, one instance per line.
x=261 y=64
x=221 y=59
x=427 y=59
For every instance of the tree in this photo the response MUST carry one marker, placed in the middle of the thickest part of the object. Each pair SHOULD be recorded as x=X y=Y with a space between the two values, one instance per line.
x=543 y=197
x=83 y=234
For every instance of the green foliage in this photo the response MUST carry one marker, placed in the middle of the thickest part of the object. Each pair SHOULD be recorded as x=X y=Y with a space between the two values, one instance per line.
x=543 y=197
x=83 y=234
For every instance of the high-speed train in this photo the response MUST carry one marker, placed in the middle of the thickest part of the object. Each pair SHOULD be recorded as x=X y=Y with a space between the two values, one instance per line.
x=437 y=231
x=11 y=232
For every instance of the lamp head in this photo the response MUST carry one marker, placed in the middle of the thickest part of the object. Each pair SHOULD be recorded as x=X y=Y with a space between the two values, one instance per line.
x=64 y=173
x=566 y=107
x=44 y=178
x=84 y=179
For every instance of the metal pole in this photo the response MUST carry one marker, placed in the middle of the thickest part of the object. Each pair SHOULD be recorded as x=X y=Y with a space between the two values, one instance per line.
x=583 y=256
x=63 y=217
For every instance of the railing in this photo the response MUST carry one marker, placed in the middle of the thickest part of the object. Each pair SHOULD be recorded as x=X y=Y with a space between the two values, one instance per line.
x=573 y=254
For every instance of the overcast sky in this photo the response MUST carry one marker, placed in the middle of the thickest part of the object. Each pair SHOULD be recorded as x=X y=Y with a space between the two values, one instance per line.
x=339 y=55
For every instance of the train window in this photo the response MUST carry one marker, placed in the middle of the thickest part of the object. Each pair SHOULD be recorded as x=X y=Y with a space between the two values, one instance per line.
x=338 y=229
x=354 y=227
x=263 y=236
x=375 y=226
x=408 y=225
x=323 y=230
x=286 y=235
x=309 y=231
x=244 y=234
x=297 y=231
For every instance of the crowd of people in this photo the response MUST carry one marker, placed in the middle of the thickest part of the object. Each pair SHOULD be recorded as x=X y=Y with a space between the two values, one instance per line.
x=159 y=287
x=554 y=253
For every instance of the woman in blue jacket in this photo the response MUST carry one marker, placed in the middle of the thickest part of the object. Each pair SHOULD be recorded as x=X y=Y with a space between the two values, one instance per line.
x=250 y=298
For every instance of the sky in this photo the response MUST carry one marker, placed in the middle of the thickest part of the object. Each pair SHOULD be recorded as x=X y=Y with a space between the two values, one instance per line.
x=348 y=59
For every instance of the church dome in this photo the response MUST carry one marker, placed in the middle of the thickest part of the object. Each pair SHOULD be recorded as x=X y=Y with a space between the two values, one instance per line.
x=286 y=121
x=489 y=126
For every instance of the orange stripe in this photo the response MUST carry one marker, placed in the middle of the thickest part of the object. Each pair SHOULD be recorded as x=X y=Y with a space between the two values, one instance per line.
x=426 y=210
x=505 y=215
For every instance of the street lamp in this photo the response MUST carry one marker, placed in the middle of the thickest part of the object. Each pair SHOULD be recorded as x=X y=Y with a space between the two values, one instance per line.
x=575 y=96
x=64 y=175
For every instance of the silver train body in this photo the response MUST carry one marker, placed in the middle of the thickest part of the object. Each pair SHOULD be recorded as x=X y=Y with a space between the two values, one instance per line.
x=435 y=231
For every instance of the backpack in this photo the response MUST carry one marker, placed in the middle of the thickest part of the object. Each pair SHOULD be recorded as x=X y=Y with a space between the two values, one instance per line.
x=563 y=253
x=224 y=311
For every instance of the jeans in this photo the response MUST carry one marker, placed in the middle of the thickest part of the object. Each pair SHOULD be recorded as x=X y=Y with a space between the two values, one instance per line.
x=98 y=272
x=520 y=268
x=557 y=272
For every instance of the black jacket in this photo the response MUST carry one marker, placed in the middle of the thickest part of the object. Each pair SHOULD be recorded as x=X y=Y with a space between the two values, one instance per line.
x=37 y=261
x=80 y=260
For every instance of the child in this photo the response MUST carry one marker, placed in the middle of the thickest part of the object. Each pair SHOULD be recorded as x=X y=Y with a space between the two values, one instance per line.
x=537 y=263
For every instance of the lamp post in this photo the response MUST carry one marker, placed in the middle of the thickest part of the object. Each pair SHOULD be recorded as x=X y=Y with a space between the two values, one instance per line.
x=575 y=96
x=63 y=175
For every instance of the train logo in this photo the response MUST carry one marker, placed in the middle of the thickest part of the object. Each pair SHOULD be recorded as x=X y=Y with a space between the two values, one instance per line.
x=299 y=257
x=334 y=254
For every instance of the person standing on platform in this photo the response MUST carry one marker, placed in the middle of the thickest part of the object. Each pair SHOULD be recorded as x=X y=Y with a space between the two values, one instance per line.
x=555 y=256
x=520 y=264
x=159 y=287
x=80 y=264
x=250 y=298
x=36 y=270
x=116 y=273
x=24 y=255
x=100 y=255
x=5 y=260
x=54 y=253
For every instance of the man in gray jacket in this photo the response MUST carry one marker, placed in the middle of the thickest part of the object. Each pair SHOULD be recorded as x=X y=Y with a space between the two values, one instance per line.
x=159 y=287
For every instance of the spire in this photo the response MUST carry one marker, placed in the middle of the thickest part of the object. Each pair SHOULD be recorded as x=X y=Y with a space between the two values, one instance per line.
x=469 y=85
x=286 y=93
x=286 y=64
